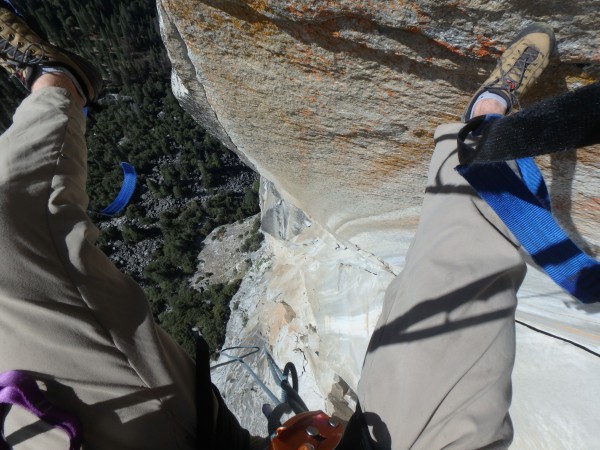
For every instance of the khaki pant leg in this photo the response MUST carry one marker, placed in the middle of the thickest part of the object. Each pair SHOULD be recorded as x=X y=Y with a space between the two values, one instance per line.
x=67 y=315
x=437 y=373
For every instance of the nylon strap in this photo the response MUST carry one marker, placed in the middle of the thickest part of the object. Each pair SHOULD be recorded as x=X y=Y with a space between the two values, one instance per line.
x=527 y=216
x=566 y=122
x=126 y=192
x=18 y=388
x=205 y=421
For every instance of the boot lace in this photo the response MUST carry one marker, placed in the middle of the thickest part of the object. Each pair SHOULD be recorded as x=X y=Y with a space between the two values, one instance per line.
x=32 y=55
x=510 y=80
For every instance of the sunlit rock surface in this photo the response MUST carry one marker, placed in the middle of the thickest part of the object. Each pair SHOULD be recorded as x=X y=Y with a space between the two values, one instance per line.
x=334 y=103
x=223 y=259
x=308 y=299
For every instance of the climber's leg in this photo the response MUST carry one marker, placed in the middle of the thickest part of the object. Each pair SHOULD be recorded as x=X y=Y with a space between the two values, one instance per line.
x=69 y=317
x=437 y=372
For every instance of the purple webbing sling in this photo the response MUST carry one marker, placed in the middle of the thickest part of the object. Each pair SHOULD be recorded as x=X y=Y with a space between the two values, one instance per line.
x=18 y=388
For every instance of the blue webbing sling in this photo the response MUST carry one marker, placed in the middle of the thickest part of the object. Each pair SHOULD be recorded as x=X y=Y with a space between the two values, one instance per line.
x=127 y=187
x=523 y=202
x=530 y=219
x=126 y=192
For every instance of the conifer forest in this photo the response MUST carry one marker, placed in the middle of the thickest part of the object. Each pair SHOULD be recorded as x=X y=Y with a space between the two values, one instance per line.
x=184 y=188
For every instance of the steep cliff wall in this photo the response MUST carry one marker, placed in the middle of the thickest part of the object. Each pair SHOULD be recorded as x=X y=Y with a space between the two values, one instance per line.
x=310 y=299
x=334 y=103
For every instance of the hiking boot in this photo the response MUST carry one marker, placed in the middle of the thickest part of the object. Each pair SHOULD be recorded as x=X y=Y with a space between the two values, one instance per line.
x=25 y=53
x=519 y=66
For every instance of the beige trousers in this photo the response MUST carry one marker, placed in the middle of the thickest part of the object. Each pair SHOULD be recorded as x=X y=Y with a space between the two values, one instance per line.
x=67 y=315
x=437 y=374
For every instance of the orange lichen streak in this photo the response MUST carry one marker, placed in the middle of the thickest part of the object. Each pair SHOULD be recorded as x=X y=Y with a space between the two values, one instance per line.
x=312 y=430
x=487 y=47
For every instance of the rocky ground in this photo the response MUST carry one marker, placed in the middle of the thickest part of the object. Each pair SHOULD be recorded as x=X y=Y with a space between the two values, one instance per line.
x=227 y=253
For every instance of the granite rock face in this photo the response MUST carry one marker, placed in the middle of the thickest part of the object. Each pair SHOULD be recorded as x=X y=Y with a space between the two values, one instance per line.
x=335 y=103
x=308 y=299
